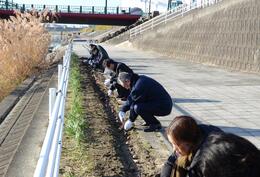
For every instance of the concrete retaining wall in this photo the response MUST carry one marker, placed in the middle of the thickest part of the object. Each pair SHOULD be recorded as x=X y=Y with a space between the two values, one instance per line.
x=226 y=34
x=120 y=38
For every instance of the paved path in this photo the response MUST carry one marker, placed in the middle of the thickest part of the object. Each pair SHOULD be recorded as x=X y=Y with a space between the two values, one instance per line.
x=23 y=129
x=230 y=100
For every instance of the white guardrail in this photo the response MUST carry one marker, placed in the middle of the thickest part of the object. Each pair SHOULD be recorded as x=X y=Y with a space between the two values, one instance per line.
x=170 y=15
x=48 y=163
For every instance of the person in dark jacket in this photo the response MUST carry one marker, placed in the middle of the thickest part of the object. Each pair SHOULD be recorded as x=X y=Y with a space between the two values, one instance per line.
x=88 y=60
x=187 y=138
x=116 y=68
x=147 y=98
x=97 y=56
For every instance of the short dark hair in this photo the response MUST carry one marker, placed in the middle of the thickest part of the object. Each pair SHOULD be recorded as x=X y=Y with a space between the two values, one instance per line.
x=107 y=62
x=184 y=129
x=228 y=155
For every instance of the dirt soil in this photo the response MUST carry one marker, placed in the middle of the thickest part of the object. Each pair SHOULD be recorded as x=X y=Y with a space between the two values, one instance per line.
x=111 y=152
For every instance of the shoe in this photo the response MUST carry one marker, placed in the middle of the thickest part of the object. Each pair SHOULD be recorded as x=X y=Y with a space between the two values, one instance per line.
x=153 y=128
x=145 y=124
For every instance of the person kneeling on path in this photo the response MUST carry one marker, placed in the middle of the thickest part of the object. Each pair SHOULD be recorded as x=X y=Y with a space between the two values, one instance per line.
x=116 y=68
x=98 y=55
x=187 y=138
x=147 y=98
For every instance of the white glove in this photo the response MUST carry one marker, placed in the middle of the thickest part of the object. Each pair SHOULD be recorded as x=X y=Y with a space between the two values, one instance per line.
x=107 y=82
x=128 y=125
x=121 y=116
x=110 y=92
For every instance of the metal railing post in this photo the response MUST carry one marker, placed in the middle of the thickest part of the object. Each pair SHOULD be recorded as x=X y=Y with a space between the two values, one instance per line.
x=6 y=4
x=165 y=18
x=52 y=97
x=59 y=74
x=48 y=163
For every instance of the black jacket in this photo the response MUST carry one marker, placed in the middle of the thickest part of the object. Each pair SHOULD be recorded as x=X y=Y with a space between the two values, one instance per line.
x=119 y=67
x=145 y=89
x=206 y=131
x=100 y=56
x=103 y=52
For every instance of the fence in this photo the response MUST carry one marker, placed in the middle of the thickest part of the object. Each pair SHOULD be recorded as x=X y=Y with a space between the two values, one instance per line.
x=48 y=163
x=7 y=5
x=169 y=16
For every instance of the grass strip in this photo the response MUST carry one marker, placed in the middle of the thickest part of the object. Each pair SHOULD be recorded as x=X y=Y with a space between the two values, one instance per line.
x=76 y=159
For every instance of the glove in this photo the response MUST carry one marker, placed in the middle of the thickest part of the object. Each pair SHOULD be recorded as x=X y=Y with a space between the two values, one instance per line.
x=128 y=125
x=110 y=92
x=121 y=116
x=107 y=82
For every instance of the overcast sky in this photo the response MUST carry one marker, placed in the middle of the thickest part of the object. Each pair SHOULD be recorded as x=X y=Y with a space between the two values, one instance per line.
x=160 y=5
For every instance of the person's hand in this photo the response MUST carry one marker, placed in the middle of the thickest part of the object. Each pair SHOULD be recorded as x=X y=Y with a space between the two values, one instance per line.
x=110 y=92
x=121 y=116
x=107 y=82
x=122 y=125
x=128 y=125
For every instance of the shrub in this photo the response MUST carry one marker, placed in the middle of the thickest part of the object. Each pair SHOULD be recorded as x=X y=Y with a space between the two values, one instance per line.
x=24 y=44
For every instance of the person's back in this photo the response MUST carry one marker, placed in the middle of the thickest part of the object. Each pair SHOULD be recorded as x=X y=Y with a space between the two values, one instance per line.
x=103 y=52
x=151 y=89
x=227 y=155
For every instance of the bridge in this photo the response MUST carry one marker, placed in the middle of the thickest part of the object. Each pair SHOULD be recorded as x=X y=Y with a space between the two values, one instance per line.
x=119 y=16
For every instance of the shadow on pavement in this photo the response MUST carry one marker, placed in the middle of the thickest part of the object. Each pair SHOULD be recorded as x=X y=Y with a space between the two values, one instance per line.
x=193 y=100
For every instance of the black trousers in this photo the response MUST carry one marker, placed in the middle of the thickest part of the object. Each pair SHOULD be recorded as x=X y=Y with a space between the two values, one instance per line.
x=148 y=110
x=122 y=92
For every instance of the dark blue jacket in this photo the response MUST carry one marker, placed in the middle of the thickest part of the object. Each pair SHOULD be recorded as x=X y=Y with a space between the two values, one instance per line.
x=146 y=89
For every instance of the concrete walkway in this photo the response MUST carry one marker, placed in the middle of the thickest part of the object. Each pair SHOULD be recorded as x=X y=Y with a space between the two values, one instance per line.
x=230 y=100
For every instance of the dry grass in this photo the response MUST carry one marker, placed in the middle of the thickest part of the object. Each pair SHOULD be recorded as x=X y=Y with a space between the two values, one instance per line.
x=23 y=47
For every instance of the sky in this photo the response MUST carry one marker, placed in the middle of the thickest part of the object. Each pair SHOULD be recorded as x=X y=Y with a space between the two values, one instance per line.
x=160 y=5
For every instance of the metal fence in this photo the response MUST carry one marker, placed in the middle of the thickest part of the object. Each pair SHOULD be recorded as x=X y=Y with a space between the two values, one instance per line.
x=169 y=16
x=7 y=5
x=48 y=163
